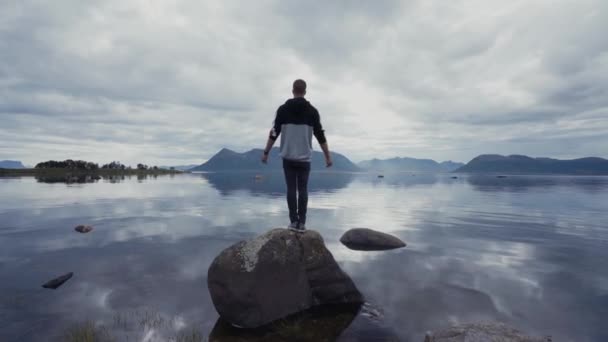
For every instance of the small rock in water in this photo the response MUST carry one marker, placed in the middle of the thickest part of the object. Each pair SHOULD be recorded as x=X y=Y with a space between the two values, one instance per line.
x=55 y=283
x=380 y=176
x=364 y=239
x=454 y=177
x=501 y=176
x=83 y=228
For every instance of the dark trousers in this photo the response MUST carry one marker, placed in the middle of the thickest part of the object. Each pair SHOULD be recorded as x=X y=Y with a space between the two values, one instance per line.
x=296 y=177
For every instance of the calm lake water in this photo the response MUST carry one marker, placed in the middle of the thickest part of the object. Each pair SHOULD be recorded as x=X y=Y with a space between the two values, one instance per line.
x=529 y=251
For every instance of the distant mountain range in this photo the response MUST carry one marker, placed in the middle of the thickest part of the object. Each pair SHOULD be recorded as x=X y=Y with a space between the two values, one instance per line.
x=408 y=164
x=518 y=164
x=11 y=164
x=228 y=160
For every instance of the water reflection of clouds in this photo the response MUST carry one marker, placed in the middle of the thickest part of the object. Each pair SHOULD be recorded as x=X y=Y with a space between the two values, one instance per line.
x=342 y=254
x=144 y=275
x=533 y=258
x=516 y=281
x=504 y=254
x=387 y=210
x=119 y=219
x=420 y=292
x=272 y=184
x=495 y=258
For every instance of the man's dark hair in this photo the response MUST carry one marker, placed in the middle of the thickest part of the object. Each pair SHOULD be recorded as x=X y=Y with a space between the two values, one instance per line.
x=299 y=87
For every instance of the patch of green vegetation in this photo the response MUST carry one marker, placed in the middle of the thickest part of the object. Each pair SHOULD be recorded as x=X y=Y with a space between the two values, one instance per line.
x=131 y=326
x=87 y=332
x=192 y=335
x=151 y=319
x=120 y=321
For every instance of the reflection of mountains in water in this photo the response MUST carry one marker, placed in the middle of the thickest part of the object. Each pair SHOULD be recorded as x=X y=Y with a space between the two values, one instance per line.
x=512 y=183
x=524 y=183
x=273 y=183
x=402 y=179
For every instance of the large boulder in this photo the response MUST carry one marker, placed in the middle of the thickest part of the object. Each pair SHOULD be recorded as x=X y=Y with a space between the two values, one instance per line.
x=482 y=332
x=274 y=275
x=364 y=239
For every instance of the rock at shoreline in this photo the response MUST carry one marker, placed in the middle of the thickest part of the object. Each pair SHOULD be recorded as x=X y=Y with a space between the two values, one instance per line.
x=55 y=283
x=272 y=276
x=83 y=228
x=482 y=332
x=364 y=239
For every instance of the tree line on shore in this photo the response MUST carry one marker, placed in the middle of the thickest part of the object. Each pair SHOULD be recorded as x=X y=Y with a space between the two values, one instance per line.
x=89 y=166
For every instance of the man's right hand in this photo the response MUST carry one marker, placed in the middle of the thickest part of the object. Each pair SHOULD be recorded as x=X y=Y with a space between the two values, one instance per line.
x=264 y=158
x=328 y=162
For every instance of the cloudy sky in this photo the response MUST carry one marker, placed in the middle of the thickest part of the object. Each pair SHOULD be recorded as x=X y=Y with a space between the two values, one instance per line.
x=171 y=82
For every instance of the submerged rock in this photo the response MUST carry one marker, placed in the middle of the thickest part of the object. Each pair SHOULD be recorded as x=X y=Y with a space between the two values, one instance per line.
x=482 y=332
x=364 y=239
x=83 y=228
x=272 y=276
x=55 y=283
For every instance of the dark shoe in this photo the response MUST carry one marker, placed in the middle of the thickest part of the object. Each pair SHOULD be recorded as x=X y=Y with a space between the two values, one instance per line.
x=301 y=226
x=293 y=226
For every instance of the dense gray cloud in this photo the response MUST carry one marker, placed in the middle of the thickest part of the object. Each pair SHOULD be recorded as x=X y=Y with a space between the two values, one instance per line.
x=172 y=82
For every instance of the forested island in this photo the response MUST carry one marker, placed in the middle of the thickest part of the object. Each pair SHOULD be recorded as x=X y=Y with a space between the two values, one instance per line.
x=79 y=171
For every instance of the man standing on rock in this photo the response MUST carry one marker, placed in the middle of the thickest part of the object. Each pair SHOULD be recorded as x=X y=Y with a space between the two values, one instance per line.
x=298 y=120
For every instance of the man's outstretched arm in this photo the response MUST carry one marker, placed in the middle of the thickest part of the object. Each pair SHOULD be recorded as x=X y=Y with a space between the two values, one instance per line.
x=272 y=137
x=269 y=145
x=325 y=148
x=320 y=135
